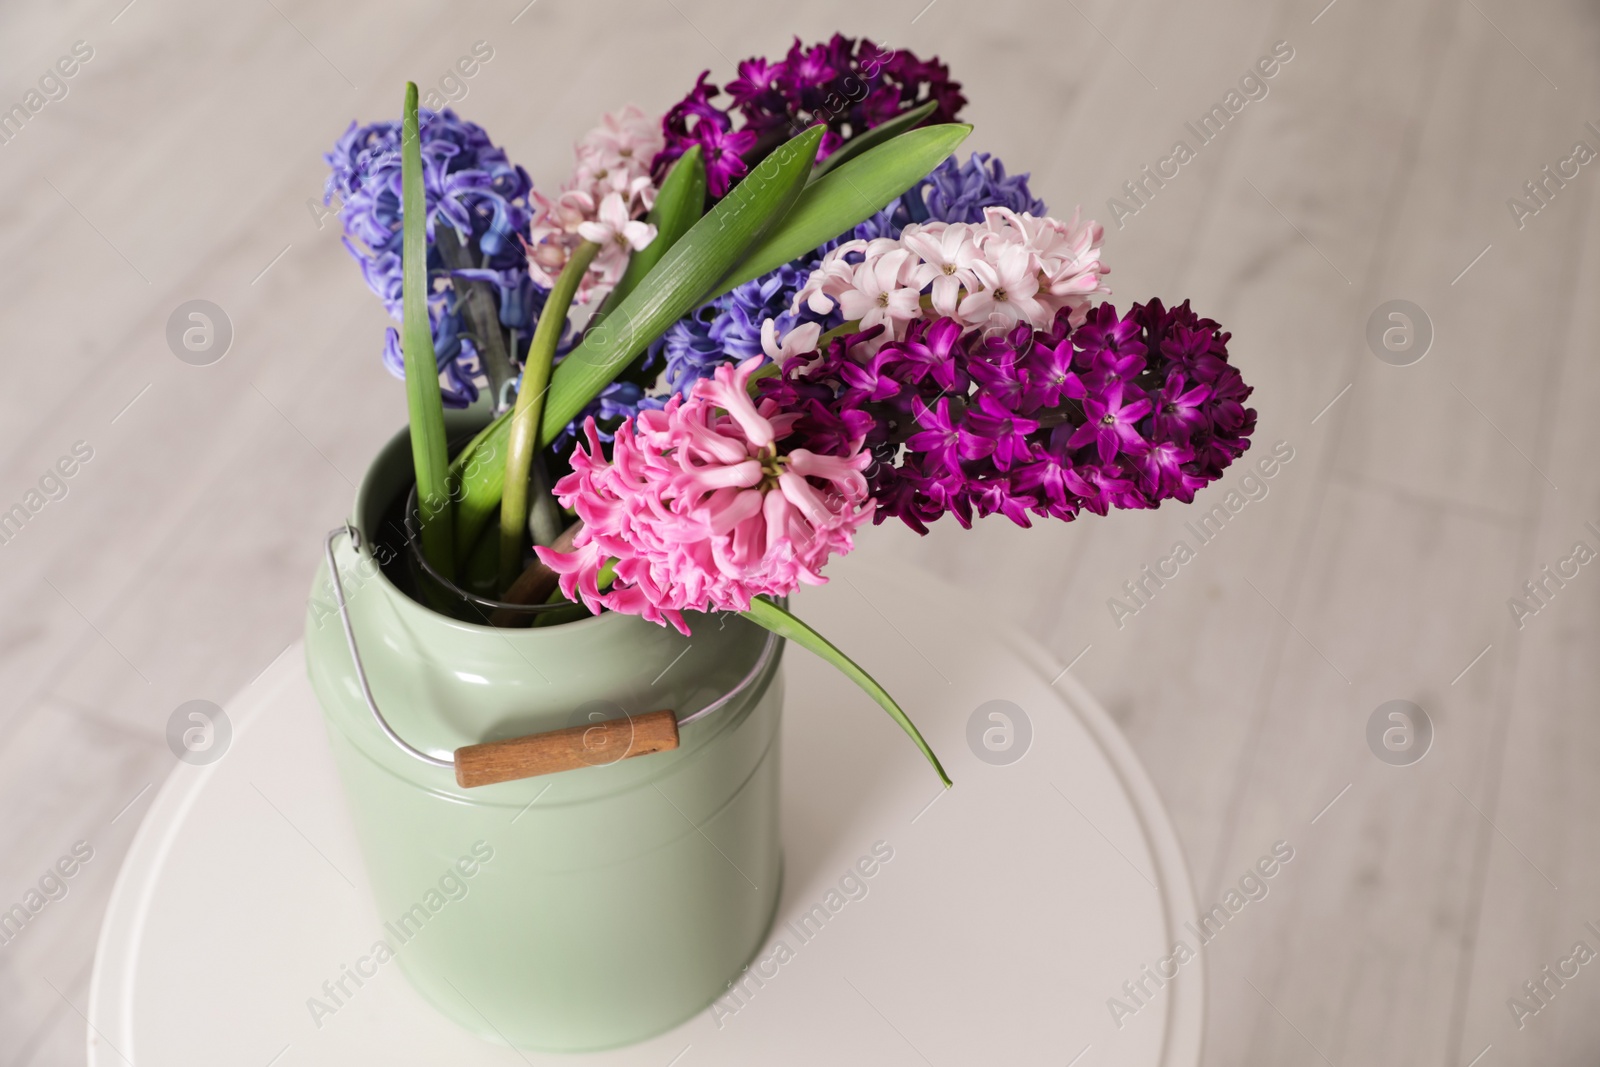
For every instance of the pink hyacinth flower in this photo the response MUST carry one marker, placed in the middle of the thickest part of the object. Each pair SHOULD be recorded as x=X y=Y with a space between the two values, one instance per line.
x=700 y=509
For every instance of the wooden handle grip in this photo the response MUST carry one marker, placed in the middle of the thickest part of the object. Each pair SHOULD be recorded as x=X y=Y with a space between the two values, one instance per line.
x=592 y=745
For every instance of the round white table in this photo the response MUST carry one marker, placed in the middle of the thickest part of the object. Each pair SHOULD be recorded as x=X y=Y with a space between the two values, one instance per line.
x=1029 y=915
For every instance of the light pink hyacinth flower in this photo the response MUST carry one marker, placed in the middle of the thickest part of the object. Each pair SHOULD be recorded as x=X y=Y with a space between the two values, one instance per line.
x=701 y=511
x=993 y=274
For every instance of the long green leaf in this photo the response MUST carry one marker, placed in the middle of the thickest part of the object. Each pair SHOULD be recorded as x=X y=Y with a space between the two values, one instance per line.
x=524 y=438
x=874 y=137
x=680 y=202
x=478 y=474
x=849 y=195
x=430 y=454
x=765 y=613
x=681 y=280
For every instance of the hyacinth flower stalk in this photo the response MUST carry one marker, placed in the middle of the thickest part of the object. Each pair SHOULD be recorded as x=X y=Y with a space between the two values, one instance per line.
x=523 y=440
x=429 y=449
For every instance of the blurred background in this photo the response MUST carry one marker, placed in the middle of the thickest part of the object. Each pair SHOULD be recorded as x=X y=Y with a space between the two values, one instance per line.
x=1398 y=225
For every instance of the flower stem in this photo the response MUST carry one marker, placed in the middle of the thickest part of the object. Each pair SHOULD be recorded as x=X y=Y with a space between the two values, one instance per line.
x=524 y=437
x=478 y=307
x=838 y=331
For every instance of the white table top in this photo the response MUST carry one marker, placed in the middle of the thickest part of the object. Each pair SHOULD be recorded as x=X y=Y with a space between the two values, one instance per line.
x=1014 y=907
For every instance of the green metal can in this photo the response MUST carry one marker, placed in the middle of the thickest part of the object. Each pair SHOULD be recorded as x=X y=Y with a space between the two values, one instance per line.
x=577 y=911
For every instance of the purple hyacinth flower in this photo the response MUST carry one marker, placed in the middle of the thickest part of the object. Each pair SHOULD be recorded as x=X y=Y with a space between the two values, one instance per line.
x=943 y=439
x=723 y=150
x=944 y=490
x=757 y=85
x=868 y=382
x=1047 y=472
x=926 y=352
x=1161 y=471
x=1228 y=393
x=1103 y=488
x=1110 y=426
x=997 y=496
x=1102 y=329
x=1110 y=367
x=1052 y=376
x=1178 y=411
x=1000 y=374
x=1190 y=350
x=807 y=68
x=1008 y=430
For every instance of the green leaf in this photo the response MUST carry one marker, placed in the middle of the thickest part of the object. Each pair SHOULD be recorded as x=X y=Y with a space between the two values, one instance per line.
x=680 y=202
x=681 y=280
x=849 y=195
x=875 y=137
x=477 y=475
x=430 y=454
x=524 y=438
x=765 y=613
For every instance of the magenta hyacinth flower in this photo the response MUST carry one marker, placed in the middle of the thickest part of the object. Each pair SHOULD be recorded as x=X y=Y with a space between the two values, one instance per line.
x=1111 y=425
x=723 y=151
x=991 y=418
x=848 y=84
x=700 y=509
x=1179 y=410
x=1008 y=425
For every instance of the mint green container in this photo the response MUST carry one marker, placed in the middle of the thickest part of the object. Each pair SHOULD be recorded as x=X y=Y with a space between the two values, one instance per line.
x=576 y=911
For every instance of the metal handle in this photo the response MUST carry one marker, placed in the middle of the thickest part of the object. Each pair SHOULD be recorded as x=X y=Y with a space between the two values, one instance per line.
x=767 y=652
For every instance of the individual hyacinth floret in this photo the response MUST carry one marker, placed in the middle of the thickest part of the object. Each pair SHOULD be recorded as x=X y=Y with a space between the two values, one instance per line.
x=1118 y=412
x=849 y=85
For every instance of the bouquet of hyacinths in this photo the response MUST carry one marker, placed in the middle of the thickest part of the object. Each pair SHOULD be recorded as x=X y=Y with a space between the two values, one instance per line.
x=737 y=333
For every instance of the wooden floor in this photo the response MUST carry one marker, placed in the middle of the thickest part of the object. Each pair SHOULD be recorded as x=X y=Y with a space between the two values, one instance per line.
x=1378 y=565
